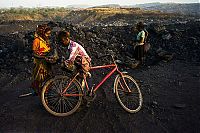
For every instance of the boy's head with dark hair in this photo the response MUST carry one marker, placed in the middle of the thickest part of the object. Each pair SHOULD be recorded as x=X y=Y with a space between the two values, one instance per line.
x=140 y=26
x=63 y=37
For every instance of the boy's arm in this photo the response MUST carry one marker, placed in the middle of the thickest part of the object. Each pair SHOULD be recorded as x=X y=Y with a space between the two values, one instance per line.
x=146 y=35
x=73 y=53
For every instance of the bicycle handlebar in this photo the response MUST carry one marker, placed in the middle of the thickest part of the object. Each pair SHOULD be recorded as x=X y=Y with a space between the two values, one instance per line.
x=102 y=56
x=112 y=56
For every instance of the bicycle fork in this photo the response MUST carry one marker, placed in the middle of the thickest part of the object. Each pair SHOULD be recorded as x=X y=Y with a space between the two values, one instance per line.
x=125 y=85
x=121 y=83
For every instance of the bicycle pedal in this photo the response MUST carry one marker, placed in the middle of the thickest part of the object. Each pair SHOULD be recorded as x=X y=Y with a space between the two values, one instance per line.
x=88 y=104
x=90 y=98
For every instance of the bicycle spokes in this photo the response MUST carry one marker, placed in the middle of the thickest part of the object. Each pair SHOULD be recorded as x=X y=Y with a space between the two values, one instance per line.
x=59 y=103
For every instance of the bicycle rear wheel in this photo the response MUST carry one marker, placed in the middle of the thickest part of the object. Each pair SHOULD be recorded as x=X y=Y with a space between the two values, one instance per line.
x=130 y=99
x=56 y=103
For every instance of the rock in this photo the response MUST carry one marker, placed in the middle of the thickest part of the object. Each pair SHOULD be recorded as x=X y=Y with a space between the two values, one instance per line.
x=160 y=52
x=166 y=36
x=25 y=58
x=52 y=24
x=16 y=32
x=133 y=65
x=156 y=28
x=5 y=50
x=163 y=54
x=180 y=83
x=119 y=61
x=179 y=105
x=168 y=57
x=113 y=39
x=197 y=75
x=90 y=35
x=194 y=40
x=155 y=103
x=104 y=42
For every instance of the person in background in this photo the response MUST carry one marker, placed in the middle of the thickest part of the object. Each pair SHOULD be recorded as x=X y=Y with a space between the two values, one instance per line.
x=140 y=41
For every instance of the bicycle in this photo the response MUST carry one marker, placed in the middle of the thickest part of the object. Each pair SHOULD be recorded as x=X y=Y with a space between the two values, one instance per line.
x=62 y=96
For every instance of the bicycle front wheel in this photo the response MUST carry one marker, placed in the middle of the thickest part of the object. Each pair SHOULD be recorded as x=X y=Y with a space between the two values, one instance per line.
x=59 y=104
x=128 y=93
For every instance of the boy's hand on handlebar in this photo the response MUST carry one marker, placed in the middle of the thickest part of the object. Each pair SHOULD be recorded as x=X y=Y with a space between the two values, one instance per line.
x=68 y=64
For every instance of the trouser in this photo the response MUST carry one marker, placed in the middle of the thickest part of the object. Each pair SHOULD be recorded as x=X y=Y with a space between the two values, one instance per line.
x=139 y=53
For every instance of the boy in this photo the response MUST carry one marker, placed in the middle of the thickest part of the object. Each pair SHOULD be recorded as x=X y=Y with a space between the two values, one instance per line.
x=74 y=53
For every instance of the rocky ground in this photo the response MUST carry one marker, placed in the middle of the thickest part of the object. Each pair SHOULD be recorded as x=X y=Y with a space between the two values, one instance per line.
x=169 y=80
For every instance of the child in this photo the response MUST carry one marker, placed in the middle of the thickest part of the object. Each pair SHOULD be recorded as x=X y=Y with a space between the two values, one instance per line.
x=74 y=52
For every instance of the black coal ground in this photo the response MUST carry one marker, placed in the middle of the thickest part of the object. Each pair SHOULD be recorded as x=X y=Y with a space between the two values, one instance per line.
x=170 y=89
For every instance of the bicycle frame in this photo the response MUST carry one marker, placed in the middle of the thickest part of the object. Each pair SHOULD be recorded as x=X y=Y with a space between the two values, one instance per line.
x=115 y=68
x=108 y=75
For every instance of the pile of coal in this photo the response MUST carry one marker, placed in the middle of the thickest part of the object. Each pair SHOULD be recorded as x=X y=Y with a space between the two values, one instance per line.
x=180 y=41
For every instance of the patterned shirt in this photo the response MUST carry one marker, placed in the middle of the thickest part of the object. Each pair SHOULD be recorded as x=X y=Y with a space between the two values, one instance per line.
x=76 y=50
x=40 y=46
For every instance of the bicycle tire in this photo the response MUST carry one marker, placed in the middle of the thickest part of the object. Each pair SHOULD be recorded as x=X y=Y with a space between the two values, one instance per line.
x=128 y=100
x=56 y=104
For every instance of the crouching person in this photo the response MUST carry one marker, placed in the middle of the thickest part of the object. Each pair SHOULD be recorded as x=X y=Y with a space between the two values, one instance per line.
x=75 y=57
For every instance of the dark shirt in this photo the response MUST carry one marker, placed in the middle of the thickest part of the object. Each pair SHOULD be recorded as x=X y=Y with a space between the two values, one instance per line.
x=63 y=52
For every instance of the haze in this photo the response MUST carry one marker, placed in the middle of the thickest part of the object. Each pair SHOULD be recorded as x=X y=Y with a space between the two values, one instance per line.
x=64 y=3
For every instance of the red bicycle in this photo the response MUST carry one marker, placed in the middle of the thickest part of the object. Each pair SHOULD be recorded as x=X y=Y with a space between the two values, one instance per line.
x=62 y=96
